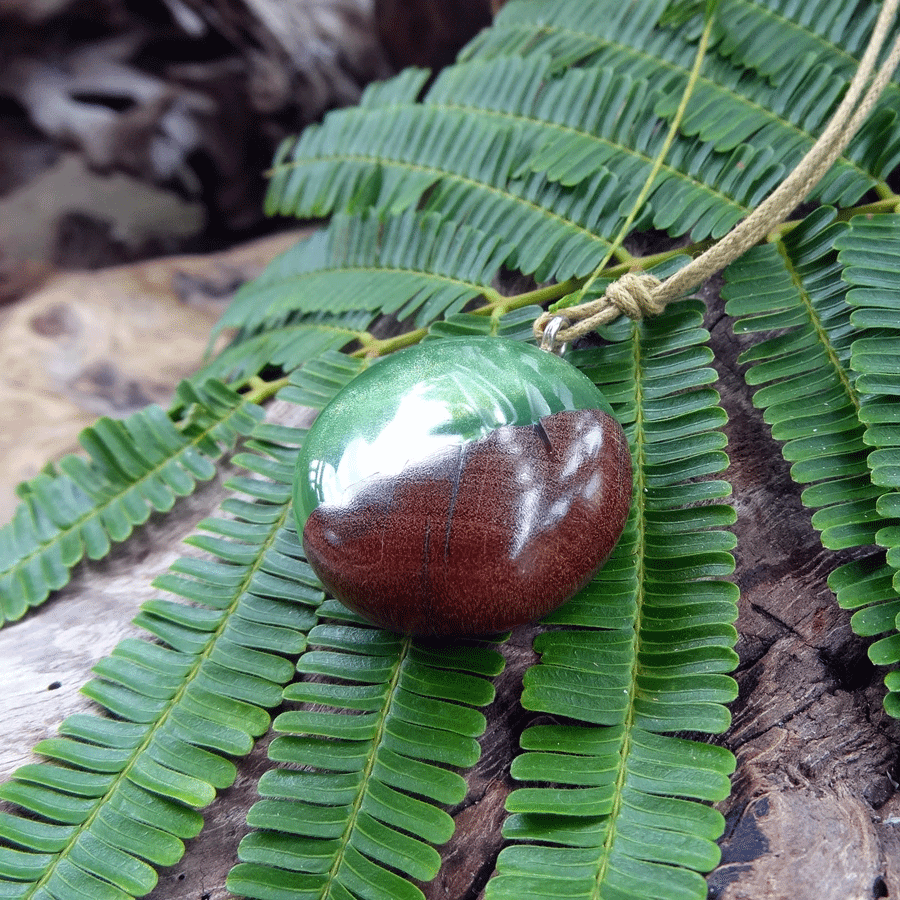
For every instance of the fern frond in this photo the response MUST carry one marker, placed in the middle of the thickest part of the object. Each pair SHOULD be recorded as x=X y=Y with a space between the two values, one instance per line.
x=516 y=325
x=562 y=31
x=411 y=265
x=181 y=709
x=514 y=147
x=388 y=159
x=120 y=794
x=499 y=142
x=870 y=253
x=383 y=717
x=790 y=116
x=287 y=346
x=815 y=399
x=404 y=87
x=588 y=120
x=642 y=651
x=320 y=379
x=866 y=586
x=810 y=396
x=728 y=109
x=767 y=36
x=80 y=507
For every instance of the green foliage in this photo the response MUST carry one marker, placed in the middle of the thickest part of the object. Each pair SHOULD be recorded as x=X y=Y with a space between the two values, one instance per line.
x=362 y=812
x=527 y=158
x=830 y=394
x=870 y=254
x=642 y=653
x=78 y=507
x=810 y=399
x=414 y=267
x=121 y=792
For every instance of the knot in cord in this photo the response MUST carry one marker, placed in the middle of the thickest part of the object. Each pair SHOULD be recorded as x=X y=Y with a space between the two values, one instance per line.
x=631 y=295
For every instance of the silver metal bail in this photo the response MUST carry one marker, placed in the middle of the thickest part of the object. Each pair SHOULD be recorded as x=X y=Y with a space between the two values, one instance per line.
x=548 y=338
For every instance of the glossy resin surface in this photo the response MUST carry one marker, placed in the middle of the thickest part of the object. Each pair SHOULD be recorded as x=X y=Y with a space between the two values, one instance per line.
x=462 y=487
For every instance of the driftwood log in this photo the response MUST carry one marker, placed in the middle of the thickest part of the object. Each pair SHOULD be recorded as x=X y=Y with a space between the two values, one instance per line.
x=189 y=95
x=815 y=810
x=195 y=95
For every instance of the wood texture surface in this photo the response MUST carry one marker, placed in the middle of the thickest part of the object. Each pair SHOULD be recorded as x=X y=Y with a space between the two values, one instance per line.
x=86 y=344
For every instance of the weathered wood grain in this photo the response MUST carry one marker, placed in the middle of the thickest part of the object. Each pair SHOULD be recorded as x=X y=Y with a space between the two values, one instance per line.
x=815 y=810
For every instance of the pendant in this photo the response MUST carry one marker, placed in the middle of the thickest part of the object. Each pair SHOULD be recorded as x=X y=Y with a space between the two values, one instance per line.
x=462 y=487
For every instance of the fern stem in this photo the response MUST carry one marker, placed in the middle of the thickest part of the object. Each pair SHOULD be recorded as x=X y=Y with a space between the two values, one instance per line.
x=883 y=189
x=658 y=161
x=537 y=297
x=384 y=346
x=640 y=463
x=498 y=305
x=889 y=204
x=261 y=390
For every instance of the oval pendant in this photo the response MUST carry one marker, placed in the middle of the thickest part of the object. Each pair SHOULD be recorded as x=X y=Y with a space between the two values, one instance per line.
x=462 y=487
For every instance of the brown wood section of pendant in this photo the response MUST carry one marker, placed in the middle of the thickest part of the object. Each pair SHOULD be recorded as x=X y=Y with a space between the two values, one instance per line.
x=489 y=535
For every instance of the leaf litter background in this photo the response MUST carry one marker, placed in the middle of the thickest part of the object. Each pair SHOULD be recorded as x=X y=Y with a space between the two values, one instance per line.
x=127 y=220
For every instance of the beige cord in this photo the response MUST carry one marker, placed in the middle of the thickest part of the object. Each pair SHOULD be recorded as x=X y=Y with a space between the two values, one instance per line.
x=638 y=294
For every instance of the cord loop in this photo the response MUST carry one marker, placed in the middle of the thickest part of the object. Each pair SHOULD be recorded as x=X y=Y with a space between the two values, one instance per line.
x=631 y=295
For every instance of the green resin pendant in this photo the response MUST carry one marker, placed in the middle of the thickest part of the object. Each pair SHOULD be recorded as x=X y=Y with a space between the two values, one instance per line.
x=462 y=487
